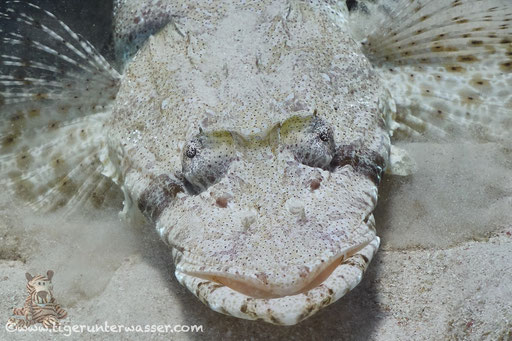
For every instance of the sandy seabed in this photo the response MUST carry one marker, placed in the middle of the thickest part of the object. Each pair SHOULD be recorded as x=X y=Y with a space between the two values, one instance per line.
x=444 y=270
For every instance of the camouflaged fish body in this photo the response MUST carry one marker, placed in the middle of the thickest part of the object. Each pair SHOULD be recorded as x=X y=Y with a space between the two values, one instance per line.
x=253 y=135
x=265 y=126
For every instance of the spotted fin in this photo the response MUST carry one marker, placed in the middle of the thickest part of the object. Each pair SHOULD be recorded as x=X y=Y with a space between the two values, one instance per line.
x=56 y=94
x=448 y=65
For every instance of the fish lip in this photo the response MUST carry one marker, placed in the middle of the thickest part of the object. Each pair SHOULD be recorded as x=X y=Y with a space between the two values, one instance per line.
x=257 y=284
x=286 y=310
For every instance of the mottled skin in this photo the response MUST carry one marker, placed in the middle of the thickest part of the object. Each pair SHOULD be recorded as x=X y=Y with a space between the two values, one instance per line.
x=253 y=135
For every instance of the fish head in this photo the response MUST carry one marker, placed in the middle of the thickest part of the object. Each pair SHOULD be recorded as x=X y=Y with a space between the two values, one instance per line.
x=256 y=144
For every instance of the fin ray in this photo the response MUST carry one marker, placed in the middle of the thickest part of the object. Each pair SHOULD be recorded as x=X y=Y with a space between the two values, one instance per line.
x=56 y=95
x=448 y=65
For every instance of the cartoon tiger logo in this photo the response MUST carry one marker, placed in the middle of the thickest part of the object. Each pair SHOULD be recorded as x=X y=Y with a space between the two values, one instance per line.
x=40 y=305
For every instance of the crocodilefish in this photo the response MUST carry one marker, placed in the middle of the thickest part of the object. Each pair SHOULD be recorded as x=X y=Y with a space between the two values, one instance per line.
x=252 y=134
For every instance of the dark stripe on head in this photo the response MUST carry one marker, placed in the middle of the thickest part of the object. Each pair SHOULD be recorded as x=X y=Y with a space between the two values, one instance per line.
x=158 y=195
x=363 y=161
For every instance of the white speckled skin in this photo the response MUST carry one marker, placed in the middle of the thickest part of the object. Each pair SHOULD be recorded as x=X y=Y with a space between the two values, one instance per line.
x=259 y=239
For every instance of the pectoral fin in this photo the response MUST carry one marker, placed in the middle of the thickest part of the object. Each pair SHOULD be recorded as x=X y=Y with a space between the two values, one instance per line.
x=56 y=95
x=448 y=65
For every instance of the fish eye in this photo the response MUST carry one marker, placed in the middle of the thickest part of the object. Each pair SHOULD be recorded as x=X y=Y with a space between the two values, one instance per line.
x=191 y=151
x=324 y=136
x=206 y=159
x=311 y=140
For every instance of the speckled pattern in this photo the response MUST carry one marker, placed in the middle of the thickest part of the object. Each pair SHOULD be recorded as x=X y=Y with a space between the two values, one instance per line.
x=254 y=134
x=245 y=106
x=447 y=64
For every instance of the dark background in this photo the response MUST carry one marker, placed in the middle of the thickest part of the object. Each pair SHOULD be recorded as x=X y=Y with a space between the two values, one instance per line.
x=90 y=18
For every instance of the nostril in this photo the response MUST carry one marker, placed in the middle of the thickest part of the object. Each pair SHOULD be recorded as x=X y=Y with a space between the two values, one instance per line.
x=315 y=184
x=222 y=202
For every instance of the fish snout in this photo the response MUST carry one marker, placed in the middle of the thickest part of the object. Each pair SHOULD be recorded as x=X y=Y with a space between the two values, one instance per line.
x=294 y=206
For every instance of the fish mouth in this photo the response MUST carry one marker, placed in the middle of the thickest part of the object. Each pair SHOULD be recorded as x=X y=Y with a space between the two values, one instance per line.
x=249 y=288
x=243 y=299
x=258 y=284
